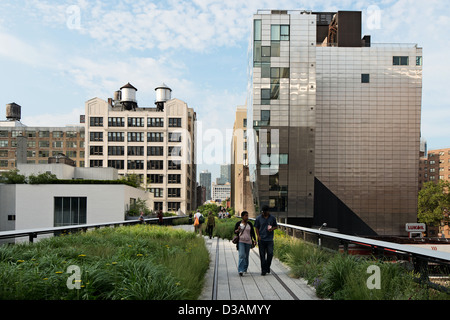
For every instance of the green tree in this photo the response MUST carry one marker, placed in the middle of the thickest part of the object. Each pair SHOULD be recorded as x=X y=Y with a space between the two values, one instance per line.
x=434 y=199
x=42 y=178
x=204 y=209
x=12 y=177
x=138 y=206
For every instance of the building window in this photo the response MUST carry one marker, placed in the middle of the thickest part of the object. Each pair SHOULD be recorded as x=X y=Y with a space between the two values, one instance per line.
x=55 y=144
x=135 y=137
x=136 y=122
x=265 y=117
x=96 y=150
x=135 y=164
x=157 y=206
x=365 y=78
x=155 y=122
x=116 y=136
x=44 y=144
x=118 y=164
x=174 y=165
x=265 y=96
x=155 y=137
x=174 y=178
x=4 y=153
x=71 y=144
x=3 y=143
x=155 y=164
x=284 y=158
x=174 y=136
x=96 y=121
x=173 y=206
x=155 y=178
x=135 y=151
x=116 y=150
x=96 y=136
x=155 y=151
x=72 y=134
x=257 y=30
x=3 y=163
x=419 y=61
x=157 y=192
x=175 y=122
x=96 y=163
x=70 y=211
x=401 y=61
x=43 y=154
x=279 y=32
x=174 y=151
x=116 y=122
x=173 y=192
x=44 y=134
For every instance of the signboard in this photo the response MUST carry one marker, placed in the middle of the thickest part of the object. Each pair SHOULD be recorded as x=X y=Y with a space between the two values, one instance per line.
x=416 y=227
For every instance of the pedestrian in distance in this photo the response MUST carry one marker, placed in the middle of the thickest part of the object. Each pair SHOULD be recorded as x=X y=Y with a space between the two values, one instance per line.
x=197 y=225
x=160 y=218
x=247 y=240
x=210 y=224
x=141 y=218
x=265 y=225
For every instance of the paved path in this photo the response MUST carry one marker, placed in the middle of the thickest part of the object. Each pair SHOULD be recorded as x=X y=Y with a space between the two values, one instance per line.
x=277 y=285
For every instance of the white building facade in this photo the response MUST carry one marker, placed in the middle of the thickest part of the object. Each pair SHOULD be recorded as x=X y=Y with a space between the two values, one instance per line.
x=155 y=143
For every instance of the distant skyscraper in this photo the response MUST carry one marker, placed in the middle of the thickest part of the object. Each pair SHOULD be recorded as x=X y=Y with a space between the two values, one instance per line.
x=205 y=181
x=334 y=123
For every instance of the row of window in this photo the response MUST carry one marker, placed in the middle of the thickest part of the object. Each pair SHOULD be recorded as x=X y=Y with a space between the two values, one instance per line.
x=171 y=192
x=135 y=136
x=134 y=122
x=135 y=151
x=41 y=134
x=138 y=164
x=171 y=206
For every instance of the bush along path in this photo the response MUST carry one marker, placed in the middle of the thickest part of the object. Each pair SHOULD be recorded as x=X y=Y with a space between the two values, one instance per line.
x=339 y=276
x=141 y=262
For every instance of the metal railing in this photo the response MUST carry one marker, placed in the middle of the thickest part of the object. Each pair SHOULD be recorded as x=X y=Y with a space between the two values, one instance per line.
x=33 y=233
x=422 y=259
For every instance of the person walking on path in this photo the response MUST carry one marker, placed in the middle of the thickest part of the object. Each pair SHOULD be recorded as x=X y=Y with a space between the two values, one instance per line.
x=210 y=224
x=247 y=240
x=265 y=225
x=197 y=224
x=160 y=217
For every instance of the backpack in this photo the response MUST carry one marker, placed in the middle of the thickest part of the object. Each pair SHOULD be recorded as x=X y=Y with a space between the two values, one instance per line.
x=201 y=219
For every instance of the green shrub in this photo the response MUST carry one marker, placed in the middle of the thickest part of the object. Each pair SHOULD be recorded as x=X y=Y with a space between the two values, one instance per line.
x=130 y=262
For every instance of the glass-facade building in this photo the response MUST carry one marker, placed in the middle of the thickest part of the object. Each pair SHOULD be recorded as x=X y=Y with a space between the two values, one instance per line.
x=334 y=123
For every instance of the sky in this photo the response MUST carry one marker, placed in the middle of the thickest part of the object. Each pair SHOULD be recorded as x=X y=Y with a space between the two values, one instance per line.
x=56 y=55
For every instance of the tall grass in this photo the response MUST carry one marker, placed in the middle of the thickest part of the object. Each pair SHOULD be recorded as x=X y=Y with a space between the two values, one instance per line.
x=344 y=277
x=132 y=262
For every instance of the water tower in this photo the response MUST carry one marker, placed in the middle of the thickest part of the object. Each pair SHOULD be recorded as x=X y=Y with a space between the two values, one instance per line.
x=128 y=97
x=163 y=94
x=13 y=112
